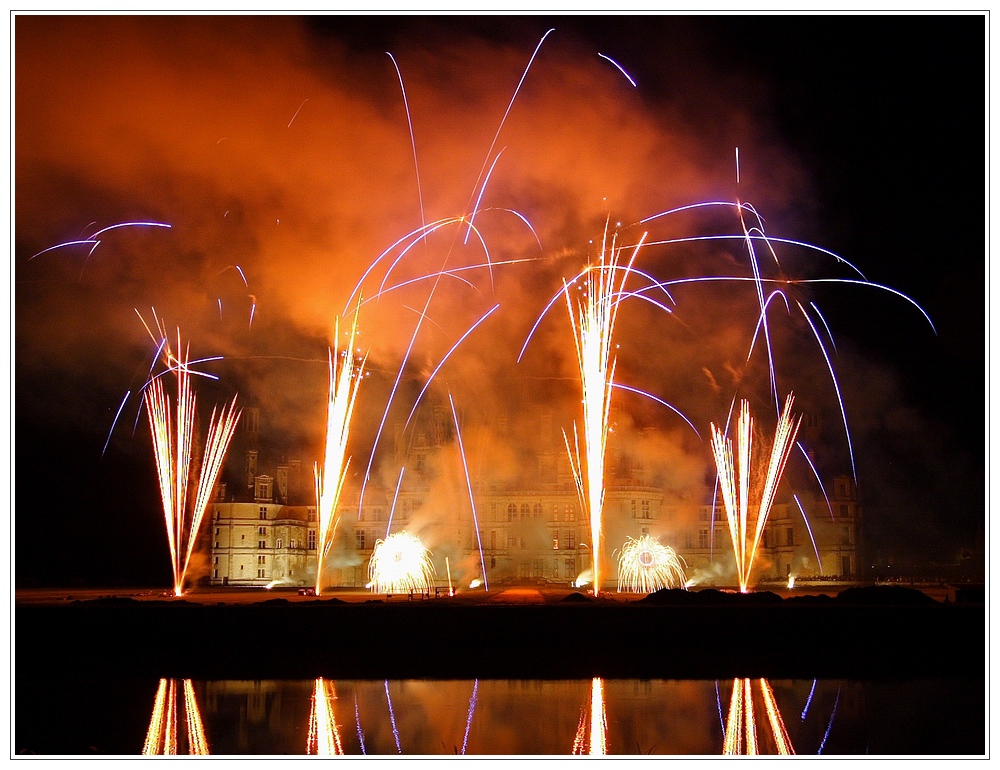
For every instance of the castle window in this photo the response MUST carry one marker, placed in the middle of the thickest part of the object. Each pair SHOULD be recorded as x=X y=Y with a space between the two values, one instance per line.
x=261 y=530
x=789 y=536
x=645 y=509
x=511 y=512
x=262 y=544
x=555 y=541
x=359 y=536
x=277 y=543
x=261 y=559
x=312 y=540
x=263 y=512
x=703 y=538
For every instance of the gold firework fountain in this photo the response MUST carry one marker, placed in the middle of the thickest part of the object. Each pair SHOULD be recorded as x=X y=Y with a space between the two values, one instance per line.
x=741 y=724
x=345 y=377
x=595 y=740
x=746 y=497
x=645 y=565
x=173 y=434
x=400 y=564
x=593 y=320
x=324 y=735
x=162 y=735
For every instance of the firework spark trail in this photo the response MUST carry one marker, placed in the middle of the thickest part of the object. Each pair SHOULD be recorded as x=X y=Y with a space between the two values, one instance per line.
x=777 y=724
x=809 y=530
x=809 y=699
x=161 y=737
x=503 y=120
x=468 y=481
x=413 y=141
x=736 y=479
x=620 y=69
x=475 y=209
x=829 y=725
x=819 y=481
x=296 y=113
x=395 y=497
x=395 y=384
x=357 y=721
x=345 y=378
x=441 y=363
x=324 y=735
x=392 y=718
x=468 y=720
x=172 y=435
x=660 y=401
x=400 y=564
x=741 y=733
x=593 y=322
x=115 y=421
x=598 y=743
x=836 y=388
x=93 y=239
x=645 y=566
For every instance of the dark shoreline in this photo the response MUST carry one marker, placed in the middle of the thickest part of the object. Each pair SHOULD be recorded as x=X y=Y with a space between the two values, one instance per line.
x=669 y=635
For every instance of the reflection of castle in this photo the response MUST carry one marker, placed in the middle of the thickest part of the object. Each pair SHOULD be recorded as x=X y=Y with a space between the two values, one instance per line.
x=264 y=527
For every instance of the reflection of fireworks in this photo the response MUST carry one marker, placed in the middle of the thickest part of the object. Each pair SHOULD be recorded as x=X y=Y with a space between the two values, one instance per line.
x=741 y=728
x=593 y=320
x=645 y=565
x=161 y=738
x=172 y=439
x=598 y=743
x=400 y=564
x=345 y=377
x=324 y=736
x=736 y=483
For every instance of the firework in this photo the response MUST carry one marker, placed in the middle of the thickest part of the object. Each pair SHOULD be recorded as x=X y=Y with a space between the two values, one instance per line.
x=741 y=725
x=172 y=435
x=747 y=498
x=161 y=737
x=472 y=501
x=324 y=736
x=597 y=745
x=593 y=321
x=345 y=377
x=645 y=566
x=400 y=564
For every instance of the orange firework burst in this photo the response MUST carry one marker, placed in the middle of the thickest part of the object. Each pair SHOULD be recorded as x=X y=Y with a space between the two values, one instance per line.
x=747 y=512
x=172 y=435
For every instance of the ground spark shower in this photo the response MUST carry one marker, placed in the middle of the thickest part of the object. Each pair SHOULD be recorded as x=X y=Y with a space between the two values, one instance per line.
x=746 y=497
x=172 y=434
x=593 y=320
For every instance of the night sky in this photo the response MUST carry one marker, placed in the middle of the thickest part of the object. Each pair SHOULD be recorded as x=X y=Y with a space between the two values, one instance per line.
x=281 y=145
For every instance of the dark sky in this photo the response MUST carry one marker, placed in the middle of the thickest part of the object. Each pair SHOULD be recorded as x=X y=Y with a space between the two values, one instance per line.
x=281 y=145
